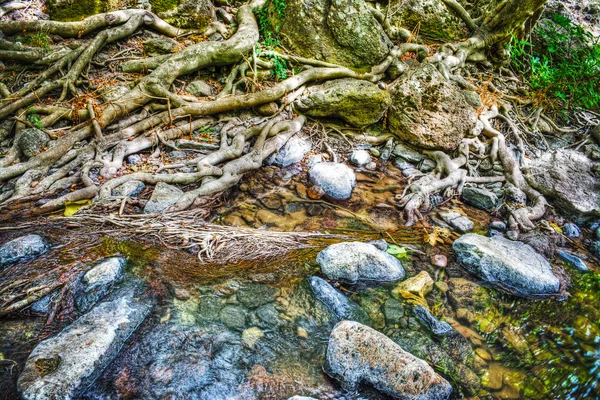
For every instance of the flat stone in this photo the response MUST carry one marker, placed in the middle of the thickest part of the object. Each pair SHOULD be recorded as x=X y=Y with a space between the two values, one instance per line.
x=421 y=285
x=357 y=354
x=436 y=326
x=97 y=282
x=200 y=89
x=511 y=266
x=359 y=264
x=341 y=306
x=22 y=249
x=457 y=221
x=65 y=365
x=129 y=189
x=480 y=198
x=252 y=335
x=402 y=164
x=408 y=153
x=163 y=197
x=337 y=180
x=292 y=152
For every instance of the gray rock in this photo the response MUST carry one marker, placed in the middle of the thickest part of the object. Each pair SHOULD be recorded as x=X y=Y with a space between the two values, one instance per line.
x=595 y=249
x=357 y=354
x=408 y=153
x=195 y=14
x=42 y=306
x=571 y=230
x=359 y=103
x=393 y=311
x=22 y=249
x=129 y=189
x=498 y=225
x=411 y=172
x=480 y=198
x=178 y=155
x=402 y=164
x=254 y=295
x=341 y=32
x=134 y=159
x=269 y=316
x=512 y=235
x=359 y=264
x=200 y=89
x=292 y=152
x=360 y=157
x=573 y=260
x=437 y=327
x=163 y=197
x=65 y=365
x=428 y=110
x=158 y=46
x=427 y=165
x=494 y=232
x=234 y=317
x=337 y=180
x=456 y=220
x=32 y=141
x=98 y=281
x=511 y=266
x=341 y=306
x=568 y=180
x=380 y=244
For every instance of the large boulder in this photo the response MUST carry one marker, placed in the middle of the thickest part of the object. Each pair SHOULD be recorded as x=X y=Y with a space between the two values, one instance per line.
x=341 y=306
x=98 y=281
x=63 y=366
x=195 y=14
x=357 y=102
x=512 y=266
x=357 y=354
x=22 y=249
x=429 y=111
x=68 y=10
x=360 y=264
x=569 y=179
x=338 y=31
x=432 y=18
x=337 y=180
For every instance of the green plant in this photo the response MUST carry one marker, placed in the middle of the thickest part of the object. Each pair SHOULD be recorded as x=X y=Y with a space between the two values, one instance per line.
x=567 y=68
x=34 y=118
x=36 y=39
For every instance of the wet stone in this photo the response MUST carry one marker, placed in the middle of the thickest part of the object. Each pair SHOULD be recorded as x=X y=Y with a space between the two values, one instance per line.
x=335 y=179
x=209 y=308
x=456 y=220
x=98 y=281
x=575 y=261
x=341 y=306
x=480 y=198
x=233 y=317
x=269 y=316
x=571 y=230
x=255 y=295
x=360 y=158
x=22 y=249
x=394 y=313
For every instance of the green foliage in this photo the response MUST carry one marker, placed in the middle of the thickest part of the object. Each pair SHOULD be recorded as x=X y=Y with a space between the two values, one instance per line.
x=279 y=71
x=270 y=18
x=36 y=39
x=34 y=118
x=567 y=68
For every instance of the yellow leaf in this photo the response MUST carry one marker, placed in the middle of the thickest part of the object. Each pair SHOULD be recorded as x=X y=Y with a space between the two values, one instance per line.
x=71 y=207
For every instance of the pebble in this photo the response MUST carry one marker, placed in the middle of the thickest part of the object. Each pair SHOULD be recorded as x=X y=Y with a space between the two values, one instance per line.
x=498 y=225
x=512 y=235
x=571 y=230
x=483 y=354
x=301 y=332
x=439 y=260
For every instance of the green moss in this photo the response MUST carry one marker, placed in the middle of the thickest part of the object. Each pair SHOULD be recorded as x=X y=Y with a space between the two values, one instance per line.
x=164 y=5
x=75 y=10
x=195 y=21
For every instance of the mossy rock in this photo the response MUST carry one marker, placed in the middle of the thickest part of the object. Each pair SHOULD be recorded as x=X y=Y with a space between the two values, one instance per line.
x=195 y=14
x=75 y=10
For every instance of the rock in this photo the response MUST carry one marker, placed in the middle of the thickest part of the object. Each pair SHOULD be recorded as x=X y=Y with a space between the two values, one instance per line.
x=457 y=221
x=436 y=326
x=439 y=260
x=301 y=398
x=341 y=306
x=567 y=178
x=336 y=31
x=360 y=158
x=430 y=17
x=573 y=260
x=508 y=265
x=408 y=153
x=359 y=103
x=255 y=295
x=595 y=249
x=428 y=111
x=359 y=264
x=357 y=354
x=393 y=312
x=134 y=159
x=22 y=249
x=480 y=198
x=32 y=141
x=292 y=152
x=512 y=235
x=196 y=14
x=129 y=189
x=498 y=225
x=200 y=89
x=421 y=285
x=67 y=10
x=269 y=316
x=252 y=335
x=337 y=180
x=233 y=317
x=374 y=152
x=97 y=282
x=411 y=172
x=163 y=197
x=571 y=230
x=381 y=244
x=114 y=93
x=402 y=164
x=42 y=306
x=65 y=365
x=268 y=109
x=158 y=46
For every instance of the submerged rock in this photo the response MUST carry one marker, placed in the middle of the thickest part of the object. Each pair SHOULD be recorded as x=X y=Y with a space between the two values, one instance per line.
x=568 y=179
x=335 y=179
x=66 y=364
x=163 y=197
x=512 y=266
x=97 y=282
x=22 y=249
x=341 y=306
x=357 y=102
x=292 y=152
x=429 y=111
x=359 y=264
x=357 y=355
x=341 y=32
